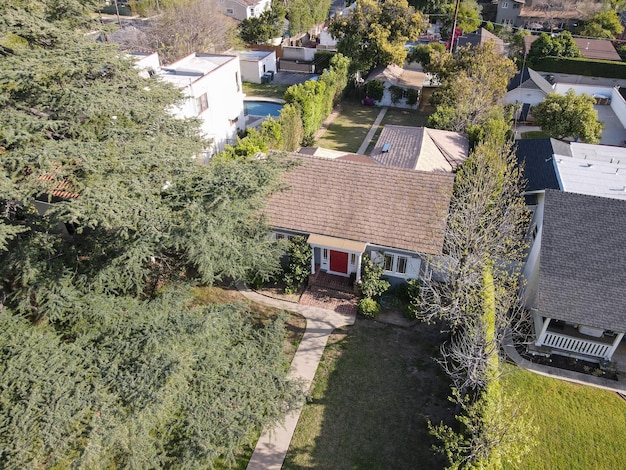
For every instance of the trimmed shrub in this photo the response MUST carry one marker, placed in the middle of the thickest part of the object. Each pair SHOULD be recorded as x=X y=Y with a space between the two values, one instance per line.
x=369 y=308
x=396 y=93
x=371 y=284
x=581 y=66
x=412 y=96
x=375 y=89
x=299 y=268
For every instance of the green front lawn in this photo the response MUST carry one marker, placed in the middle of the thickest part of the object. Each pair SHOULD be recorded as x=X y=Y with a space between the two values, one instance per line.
x=265 y=90
x=374 y=391
x=349 y=129
x=579 y=427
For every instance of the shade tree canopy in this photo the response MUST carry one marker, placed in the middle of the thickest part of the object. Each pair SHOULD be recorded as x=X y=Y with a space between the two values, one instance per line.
x=605 y=25
x=569 y=116
x=374 y=33
x=106 y=219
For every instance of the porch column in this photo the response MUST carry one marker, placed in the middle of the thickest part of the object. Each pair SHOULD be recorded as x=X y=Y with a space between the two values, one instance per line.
x=542 y=335
x=610 y=352
x=358 y=266
x=312 y=260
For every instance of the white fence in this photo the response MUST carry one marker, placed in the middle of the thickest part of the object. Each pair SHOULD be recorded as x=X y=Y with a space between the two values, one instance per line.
x=576 y=345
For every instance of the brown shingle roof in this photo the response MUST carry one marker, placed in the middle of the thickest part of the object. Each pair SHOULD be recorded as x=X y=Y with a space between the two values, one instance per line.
x=589 y=48
x=390 y=207
x=420 y=148
x=398 y=76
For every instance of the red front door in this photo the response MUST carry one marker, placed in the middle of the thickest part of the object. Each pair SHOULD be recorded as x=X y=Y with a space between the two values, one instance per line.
x=339 y=261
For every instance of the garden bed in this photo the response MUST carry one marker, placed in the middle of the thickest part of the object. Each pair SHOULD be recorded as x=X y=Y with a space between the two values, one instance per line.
x=575 y=365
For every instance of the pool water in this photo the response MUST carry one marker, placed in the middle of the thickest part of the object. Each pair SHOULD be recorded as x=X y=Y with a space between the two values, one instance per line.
x=262 y=108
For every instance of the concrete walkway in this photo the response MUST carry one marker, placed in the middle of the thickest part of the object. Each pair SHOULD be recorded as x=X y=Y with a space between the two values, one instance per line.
x=372 y=131
x=273 y=444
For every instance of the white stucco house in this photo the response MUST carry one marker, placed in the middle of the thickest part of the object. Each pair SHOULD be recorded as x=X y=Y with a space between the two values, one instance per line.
x=396 y=216
x=244 y=9
x=399 y=83
x=254 y=64
x=212 y=83
x=526 y=89
x=574 y=272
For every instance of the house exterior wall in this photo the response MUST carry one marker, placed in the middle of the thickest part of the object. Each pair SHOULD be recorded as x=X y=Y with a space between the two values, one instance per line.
x=508 y=12
x=524 y=95
x=241 y=11
x=530 y=272
x=618 y=105
x=394 y=275
x=562 y=88
x=252 y=70
x=387 y=100
x=224 y=115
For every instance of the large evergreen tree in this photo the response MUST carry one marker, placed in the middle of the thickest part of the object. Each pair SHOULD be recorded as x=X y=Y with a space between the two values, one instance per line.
x=103 y=363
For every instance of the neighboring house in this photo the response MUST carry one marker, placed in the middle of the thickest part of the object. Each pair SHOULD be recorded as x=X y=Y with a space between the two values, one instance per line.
x=599 y=49
x=479 y=37
x=551 y=15
x=398 y=84
x=578 y=276
x=574 y=270
x=527 y=88
x=420 y=148
x=212 y=83
x=244 y=9
x=348 y=209
x=254 y=64
x=508 y=11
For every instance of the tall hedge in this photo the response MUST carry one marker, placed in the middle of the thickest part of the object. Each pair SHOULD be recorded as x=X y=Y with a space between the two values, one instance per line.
x=581 y=66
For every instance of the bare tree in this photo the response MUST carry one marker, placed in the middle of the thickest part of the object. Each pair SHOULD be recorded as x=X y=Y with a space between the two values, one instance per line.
x=188 y=27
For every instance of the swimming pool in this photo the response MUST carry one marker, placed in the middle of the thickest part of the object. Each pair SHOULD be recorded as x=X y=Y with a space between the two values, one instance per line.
x=262 y=108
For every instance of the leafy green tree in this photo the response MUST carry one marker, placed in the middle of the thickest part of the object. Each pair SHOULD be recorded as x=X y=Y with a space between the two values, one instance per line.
x=569 y=116
x=106 y=361
x=299 y=254
x=605 y=25
x=562 y=45
x=473 y=81
x=423 y=52
x=135 y=384
x=372 y=285
x=468 y=19
x=374 y=33
x=266 y=26
x=304 y=14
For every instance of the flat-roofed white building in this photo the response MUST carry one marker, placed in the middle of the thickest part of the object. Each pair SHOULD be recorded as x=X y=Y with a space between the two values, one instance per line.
x=212 y=83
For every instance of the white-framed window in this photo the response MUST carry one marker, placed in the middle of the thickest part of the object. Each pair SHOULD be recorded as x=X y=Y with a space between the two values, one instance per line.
x=279 y=236
x=388 y=262
x=202 y=103
x=352 y=259
x=230 y=11
x=396 y=264
x=401 y=264
x=325 y=253
x=505 y=4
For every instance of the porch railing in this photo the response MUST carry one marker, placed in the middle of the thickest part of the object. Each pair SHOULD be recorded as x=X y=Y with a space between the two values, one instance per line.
x=576 y=345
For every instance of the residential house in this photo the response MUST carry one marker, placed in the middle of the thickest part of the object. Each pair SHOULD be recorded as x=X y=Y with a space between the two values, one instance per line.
x=420 y=148
x=348 y=209
x=549 y=15
x=598 y=49
x=402 y=87
x=527 y=88
x=479 y=37
x=212 y=83
x=255 y=64
x=508 y=11
x=244 y=9
x=574 y=272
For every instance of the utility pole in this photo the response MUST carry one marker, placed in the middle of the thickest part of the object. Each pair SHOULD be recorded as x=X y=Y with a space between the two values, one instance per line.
x=456 y=15
x=117 y=12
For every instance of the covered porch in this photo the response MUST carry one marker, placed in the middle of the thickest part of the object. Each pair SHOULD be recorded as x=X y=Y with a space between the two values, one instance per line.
x=336 y=256
x=578 y=341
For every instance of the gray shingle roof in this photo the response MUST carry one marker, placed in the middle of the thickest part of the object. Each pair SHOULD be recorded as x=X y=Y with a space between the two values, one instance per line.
x=480 y=37
x=582 y=273
x=391 y=207
x=528 y=78
x=536 y=156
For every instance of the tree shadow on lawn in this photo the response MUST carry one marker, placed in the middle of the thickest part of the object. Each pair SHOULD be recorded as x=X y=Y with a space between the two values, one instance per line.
x=371 y=400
